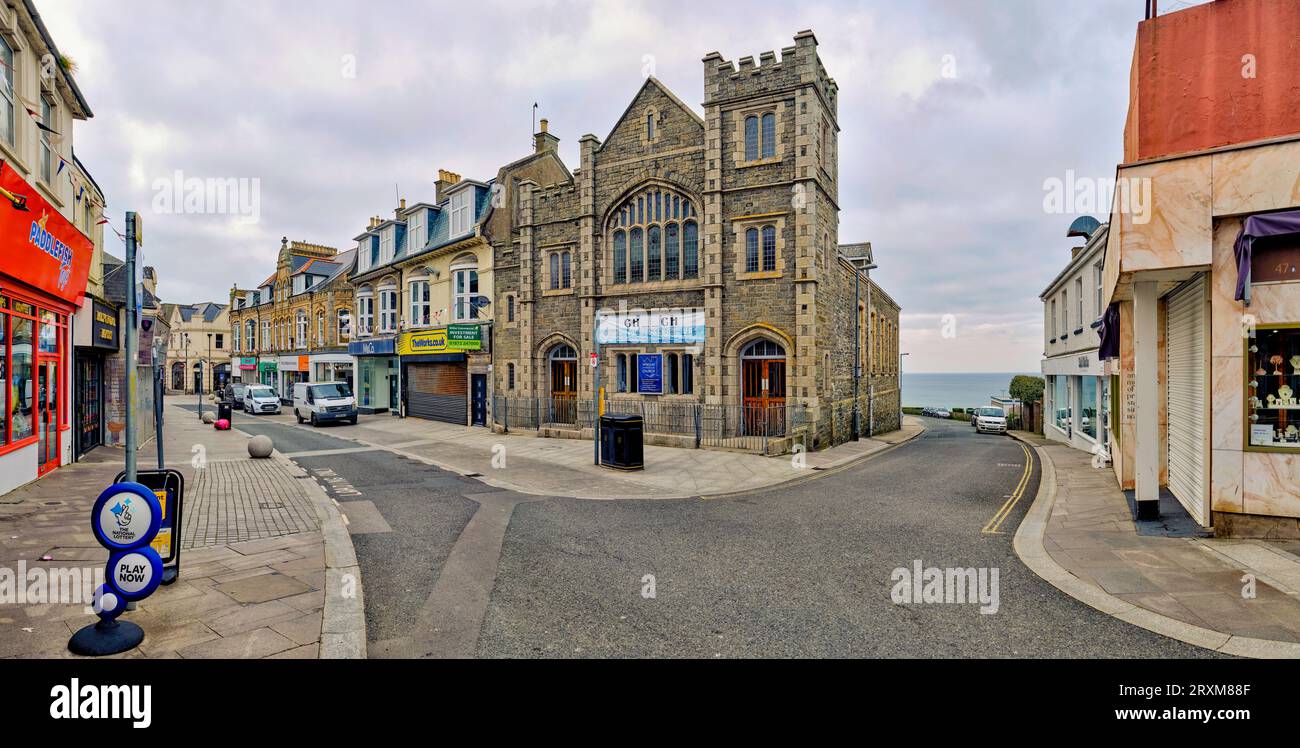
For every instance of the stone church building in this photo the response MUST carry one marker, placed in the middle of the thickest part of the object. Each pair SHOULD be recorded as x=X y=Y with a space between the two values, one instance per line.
x=703 y=255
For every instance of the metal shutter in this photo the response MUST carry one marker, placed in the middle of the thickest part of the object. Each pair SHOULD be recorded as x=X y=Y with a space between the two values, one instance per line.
x=1186 y=367
x=438 y=392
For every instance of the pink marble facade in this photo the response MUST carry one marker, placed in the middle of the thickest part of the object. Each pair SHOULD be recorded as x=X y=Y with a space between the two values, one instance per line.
x=1198 y=204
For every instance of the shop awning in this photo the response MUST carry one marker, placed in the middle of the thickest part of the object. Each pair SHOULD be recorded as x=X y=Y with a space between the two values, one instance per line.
x=1258 y=227
x=1109 y=332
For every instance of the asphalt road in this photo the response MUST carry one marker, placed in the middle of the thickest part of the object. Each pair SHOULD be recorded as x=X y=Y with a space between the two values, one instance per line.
x=801 y=571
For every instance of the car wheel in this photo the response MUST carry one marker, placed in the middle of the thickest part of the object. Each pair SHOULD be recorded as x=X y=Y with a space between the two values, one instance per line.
x=313 y=419
x=297 y=415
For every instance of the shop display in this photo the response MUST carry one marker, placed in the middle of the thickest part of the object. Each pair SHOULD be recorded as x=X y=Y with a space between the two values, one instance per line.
x=1272 y=406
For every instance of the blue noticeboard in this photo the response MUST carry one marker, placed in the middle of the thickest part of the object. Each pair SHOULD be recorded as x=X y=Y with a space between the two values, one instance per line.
x=650 y=373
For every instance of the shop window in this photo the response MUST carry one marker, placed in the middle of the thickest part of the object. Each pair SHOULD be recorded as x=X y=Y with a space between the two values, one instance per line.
x=1272 y=380
x=1088 y=406
x=22 y=421
x=1061 y=402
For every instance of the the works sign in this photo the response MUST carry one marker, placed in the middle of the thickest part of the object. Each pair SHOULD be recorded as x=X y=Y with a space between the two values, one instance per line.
x=452 y=339
x=38 y=246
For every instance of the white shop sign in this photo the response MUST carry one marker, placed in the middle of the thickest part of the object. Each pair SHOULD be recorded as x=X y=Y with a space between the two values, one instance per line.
x=649 y=326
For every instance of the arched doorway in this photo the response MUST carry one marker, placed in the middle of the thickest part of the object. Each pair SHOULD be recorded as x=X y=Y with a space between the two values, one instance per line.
x=198 y=377
x=562 y=363
x=178 y=376
x=762 y=372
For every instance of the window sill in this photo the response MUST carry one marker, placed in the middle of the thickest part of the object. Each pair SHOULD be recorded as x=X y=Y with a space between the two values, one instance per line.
x=12 y=156
x=760 y=275
x=558 y=292
x=760 y=162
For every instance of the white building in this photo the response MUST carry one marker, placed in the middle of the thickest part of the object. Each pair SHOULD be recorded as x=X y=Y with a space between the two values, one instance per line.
x=1077 y=394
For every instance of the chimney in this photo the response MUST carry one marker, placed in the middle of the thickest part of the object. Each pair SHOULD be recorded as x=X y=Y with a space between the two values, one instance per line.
x=544 y=140
x=401 y=206
x=445 y=179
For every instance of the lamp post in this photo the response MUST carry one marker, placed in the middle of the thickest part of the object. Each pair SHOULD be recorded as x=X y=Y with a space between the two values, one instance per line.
x=900 y=387
x=212 y=374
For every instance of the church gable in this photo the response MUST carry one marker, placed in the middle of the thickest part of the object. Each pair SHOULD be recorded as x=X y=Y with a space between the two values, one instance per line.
x=655 y=121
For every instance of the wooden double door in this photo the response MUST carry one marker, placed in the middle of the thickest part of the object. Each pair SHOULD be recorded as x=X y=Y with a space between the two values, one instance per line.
x=564 y=391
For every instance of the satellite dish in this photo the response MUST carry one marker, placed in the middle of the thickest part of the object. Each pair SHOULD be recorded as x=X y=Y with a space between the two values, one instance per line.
x=1083 y=226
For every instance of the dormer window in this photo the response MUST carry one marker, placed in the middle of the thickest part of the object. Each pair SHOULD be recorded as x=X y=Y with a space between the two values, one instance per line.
x=460 y=211
x=386 y=245
x=415 y=227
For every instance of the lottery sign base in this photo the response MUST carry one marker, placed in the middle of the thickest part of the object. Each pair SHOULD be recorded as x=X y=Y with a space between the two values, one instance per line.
x=107 y=637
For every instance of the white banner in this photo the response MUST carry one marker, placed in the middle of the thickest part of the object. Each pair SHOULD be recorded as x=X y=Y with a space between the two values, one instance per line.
x=648 y=326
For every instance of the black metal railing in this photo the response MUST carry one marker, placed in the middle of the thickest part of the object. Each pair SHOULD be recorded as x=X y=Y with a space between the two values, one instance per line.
x=753 y=428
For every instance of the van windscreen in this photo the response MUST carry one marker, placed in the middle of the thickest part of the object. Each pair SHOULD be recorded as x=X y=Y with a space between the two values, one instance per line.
x=331 y=390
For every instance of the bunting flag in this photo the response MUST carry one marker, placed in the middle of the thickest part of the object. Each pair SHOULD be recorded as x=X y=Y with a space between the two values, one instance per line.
x=37 y=119
x=62 y=163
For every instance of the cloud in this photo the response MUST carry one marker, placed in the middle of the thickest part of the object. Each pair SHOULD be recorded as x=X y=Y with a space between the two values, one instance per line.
x=335 y=106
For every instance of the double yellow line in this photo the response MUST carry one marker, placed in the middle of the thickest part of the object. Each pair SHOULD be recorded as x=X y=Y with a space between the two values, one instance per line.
x=992 y=526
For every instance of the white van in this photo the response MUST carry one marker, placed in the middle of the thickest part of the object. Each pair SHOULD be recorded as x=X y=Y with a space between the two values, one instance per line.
x=324 y=401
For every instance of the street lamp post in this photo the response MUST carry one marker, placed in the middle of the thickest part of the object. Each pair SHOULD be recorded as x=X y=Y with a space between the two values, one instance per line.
x=900 y=387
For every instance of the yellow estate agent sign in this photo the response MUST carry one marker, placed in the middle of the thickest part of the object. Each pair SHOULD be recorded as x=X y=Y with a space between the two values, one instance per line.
x=450 y=339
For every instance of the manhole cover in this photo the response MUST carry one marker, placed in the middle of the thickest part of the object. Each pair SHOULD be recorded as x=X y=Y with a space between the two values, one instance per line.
x=265 y=505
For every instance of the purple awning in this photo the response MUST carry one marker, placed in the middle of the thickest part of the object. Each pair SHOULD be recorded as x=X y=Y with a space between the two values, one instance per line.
x=1257 y=227
x=1109 y=333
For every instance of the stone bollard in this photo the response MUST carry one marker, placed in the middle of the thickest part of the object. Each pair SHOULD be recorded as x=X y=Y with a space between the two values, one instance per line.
x=209 y=417
x=260 y=446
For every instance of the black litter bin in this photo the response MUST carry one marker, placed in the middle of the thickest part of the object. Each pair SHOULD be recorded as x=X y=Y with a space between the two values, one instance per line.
x=622 y=442
x=224 y=410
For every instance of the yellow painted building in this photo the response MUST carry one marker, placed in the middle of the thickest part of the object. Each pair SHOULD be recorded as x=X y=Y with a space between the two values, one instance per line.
x=296 y=324
x=423 y=306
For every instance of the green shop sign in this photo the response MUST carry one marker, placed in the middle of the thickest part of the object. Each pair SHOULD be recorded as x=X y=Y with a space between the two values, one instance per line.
x=266 y=366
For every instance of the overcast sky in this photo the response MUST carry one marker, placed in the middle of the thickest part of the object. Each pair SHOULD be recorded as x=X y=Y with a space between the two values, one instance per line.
x=953 y=113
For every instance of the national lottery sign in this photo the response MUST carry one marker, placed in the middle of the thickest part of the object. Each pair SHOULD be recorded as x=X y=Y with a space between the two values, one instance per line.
x=125 y=519
x=647 y=326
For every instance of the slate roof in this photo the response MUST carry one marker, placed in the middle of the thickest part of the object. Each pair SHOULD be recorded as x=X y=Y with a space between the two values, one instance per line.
x=115 y=281
x=439 y=230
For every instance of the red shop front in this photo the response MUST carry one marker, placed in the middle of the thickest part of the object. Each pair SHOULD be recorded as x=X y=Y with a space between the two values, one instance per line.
x=44 y=261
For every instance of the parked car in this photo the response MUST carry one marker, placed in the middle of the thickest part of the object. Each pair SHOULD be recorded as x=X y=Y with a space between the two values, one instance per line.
x=990 y=420
x=234 y=393
x=942 y=413
x=258 y=398
x=324 y=401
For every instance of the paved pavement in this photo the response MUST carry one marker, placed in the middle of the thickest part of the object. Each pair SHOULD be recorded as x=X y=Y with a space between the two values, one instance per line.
x=1238 y=596
x=253 y=576
x=457 y=567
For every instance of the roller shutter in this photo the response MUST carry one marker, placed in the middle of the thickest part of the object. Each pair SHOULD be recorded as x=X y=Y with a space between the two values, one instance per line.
x=438 y=392
x=1186 y=367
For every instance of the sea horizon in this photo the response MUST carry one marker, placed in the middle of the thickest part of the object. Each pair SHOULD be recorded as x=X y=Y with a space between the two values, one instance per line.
x=935 y=389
